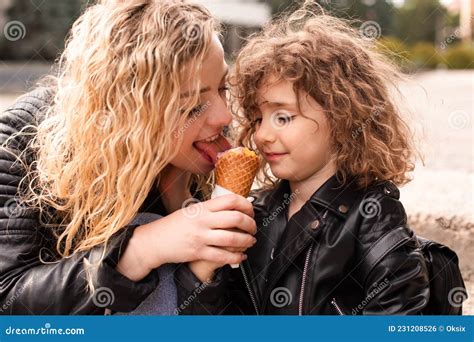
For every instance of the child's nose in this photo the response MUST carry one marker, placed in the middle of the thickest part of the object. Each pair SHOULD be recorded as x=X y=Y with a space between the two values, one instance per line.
x=264 y=133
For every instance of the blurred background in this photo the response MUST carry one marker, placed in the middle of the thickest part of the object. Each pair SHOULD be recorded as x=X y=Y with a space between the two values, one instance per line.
x=431 y=40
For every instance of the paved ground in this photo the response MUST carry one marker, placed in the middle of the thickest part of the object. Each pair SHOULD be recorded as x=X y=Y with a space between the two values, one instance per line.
x=439 y=201
x=18 y=76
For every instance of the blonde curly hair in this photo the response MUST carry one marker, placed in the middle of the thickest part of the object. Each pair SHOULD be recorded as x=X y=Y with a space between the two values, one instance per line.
x=108 y=132
x=328 y=59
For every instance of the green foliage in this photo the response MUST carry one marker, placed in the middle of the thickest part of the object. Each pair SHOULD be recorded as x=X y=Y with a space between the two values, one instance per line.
x=419 y=20
x=409 y=33
x=395 y=49
x=459 y=56
x=424 y=56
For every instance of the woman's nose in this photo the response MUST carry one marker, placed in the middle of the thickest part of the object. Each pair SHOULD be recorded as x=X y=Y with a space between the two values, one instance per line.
x=219 y=115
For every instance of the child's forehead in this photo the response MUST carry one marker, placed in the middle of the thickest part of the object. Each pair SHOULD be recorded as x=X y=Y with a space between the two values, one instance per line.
x=278 y=91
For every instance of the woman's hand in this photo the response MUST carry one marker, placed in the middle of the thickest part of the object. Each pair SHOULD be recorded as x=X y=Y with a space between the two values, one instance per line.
x=198 y=232
x=204 y=270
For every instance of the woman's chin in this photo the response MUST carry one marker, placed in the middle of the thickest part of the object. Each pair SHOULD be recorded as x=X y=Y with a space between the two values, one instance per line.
x=201 y=167
x=205 y=170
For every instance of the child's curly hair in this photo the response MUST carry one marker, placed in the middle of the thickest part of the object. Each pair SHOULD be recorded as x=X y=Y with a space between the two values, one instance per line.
x=328 y=59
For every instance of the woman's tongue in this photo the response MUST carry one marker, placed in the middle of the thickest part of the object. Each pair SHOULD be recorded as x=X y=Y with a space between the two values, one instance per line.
x=213 y=148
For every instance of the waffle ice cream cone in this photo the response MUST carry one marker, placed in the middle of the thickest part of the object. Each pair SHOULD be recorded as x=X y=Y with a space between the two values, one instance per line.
x=236 y=169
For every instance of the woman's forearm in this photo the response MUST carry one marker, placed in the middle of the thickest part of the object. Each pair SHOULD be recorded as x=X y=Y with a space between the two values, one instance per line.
x=133 y=263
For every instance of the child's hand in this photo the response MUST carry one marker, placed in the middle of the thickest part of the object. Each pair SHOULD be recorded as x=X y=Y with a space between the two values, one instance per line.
x=204 y=270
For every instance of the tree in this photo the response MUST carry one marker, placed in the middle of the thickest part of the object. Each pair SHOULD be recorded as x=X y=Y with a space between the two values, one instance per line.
x=45 y=25
x=380 y=11
x=421 y=20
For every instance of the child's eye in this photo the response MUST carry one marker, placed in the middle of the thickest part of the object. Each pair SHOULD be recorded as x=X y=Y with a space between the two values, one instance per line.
x=282 y=119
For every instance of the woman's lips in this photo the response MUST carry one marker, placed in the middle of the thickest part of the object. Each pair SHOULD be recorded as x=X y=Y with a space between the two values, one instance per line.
x=210 y=150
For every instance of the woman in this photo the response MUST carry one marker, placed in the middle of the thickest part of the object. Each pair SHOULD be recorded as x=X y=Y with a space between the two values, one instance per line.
x=131 y=124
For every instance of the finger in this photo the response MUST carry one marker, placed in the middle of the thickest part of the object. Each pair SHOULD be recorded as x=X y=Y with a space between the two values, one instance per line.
x=232 y=219
x=230 y=202
x=236 y=230
x=225 y=238
x=221 y=256
x=236 y=249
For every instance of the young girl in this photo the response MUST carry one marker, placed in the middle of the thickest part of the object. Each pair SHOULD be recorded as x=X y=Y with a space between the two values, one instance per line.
x=316 y=103
x=131 y=124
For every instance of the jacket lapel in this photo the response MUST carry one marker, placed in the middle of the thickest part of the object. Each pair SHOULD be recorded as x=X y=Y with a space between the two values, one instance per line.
x=300 y=230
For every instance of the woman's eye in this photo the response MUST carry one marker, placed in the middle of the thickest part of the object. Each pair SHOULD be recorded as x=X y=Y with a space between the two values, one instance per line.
x=196 y=110
x=223 y=89
x=223 y=92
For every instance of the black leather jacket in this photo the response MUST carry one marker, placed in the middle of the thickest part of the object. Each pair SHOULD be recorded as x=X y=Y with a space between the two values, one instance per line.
x=33 y=280
x=316 y=263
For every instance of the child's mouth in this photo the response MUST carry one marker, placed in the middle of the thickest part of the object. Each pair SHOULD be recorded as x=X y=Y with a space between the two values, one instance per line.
x=274 y=156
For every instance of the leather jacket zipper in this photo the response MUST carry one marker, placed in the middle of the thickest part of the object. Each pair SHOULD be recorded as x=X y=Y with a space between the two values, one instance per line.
x=252 y=297
x=303 y=280
x=338 y=309
x=305 y=273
